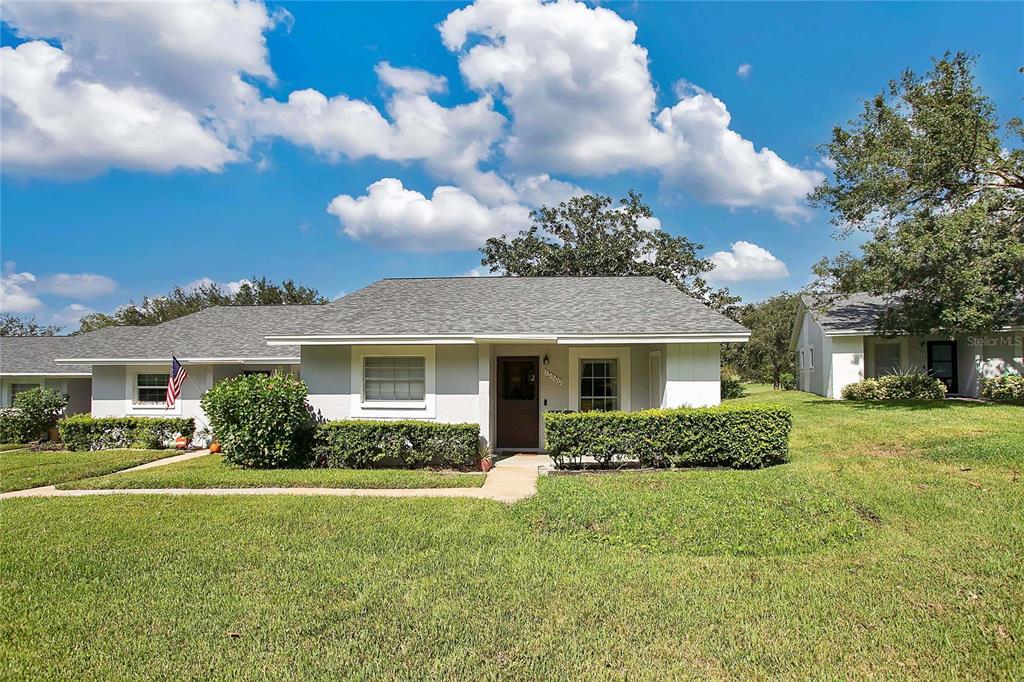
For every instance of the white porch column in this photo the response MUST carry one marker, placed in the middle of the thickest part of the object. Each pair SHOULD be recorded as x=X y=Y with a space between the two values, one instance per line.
x=692 y=375
x=484 y=392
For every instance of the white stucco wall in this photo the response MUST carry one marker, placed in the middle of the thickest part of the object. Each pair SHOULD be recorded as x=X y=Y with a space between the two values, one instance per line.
x=692 y=374
x=844 y=364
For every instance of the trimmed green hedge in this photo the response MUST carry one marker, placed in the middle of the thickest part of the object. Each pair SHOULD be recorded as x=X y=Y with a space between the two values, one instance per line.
x=740 y=436
x=913 y=386
x=1008 y=388
x=366 y=443
x=82 y=432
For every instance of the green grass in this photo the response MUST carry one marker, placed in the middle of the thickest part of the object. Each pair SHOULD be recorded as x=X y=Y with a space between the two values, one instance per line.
x=889 y=547
x=21 y=469
x=4 y=447
x=212 y=472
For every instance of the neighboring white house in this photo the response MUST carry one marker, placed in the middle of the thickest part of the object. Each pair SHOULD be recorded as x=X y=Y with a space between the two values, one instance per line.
x=27 y=362
x=838 y=345
x=496 y=351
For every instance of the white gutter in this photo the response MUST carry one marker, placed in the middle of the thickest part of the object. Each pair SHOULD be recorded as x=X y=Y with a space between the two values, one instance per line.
x=166 y=360
x=469 y=339
x=48 y=374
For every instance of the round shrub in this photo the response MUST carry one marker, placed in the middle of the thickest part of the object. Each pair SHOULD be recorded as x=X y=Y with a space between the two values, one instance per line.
x=1008 y=388
x=731 y=387
x=35 y=412
x=909 y=386
x=261 y=421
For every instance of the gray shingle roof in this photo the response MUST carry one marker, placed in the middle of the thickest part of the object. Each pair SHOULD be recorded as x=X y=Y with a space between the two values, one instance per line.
x=857 y=314
x=511 y=305
x=226 y=332
x=35 y=355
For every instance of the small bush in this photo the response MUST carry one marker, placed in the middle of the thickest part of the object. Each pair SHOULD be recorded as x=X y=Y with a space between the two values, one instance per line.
x=747 y=436
x=862 y=390
x=365 y=443
x=731 y=387
x=261 y=421
x=909 y=386
x=82 y=432
x=35 y=412
x=1008 y=388
x=787 y=381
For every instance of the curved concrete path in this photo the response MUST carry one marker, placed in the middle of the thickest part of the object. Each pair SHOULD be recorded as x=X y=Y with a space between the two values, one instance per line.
x=511 y=480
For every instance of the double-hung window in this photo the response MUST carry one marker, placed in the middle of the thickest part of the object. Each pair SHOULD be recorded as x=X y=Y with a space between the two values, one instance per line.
x=599 y=385
x=21 y=388
x=394 y=379
x=150 y=389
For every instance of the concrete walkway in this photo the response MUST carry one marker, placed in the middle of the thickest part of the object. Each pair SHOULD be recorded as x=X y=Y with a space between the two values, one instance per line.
x=511 y=480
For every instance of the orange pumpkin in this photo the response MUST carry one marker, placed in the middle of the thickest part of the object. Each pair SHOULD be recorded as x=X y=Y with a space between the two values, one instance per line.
x=181 y=442
x=214 y=447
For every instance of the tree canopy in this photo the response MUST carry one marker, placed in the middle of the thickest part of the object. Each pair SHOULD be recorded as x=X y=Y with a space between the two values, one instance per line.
x=766 y=356
x=591 y=236
x=180 y=302
x=12 y=325
x=928 y=173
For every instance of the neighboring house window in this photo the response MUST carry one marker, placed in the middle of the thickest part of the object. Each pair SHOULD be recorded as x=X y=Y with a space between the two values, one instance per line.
x=150 y=388
x=21 y=388
x=599 y=385
x=810 y=358
x=801 y=359
x=387 y=379
x=887 y=358
x=250 y=372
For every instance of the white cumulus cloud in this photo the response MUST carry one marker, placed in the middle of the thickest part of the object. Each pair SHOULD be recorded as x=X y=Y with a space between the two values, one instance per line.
x=81 y=285
x=746 y=261
x=450 y=219
x=230 y=287
x=743 y=71
x=15 y=291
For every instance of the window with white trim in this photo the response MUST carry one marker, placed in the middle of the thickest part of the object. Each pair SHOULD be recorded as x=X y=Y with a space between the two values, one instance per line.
x=21 y=388
x=395 y=379
x=599 y=385
x=151 y=389
x=801 y=359
x=887 y=358
x=810 y=358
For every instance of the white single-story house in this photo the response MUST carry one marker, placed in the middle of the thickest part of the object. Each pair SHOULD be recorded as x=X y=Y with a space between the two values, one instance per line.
x=28 y=362
x=496 y=351
x=838 y=344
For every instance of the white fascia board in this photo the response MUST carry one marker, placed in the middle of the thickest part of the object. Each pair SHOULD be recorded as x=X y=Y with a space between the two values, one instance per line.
x=47 y=374
x=165 y=361
x=443 y=339
x=664 y=338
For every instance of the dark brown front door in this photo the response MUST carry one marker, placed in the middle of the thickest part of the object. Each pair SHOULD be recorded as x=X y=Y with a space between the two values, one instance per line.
x=518 y=407
x=942 y=363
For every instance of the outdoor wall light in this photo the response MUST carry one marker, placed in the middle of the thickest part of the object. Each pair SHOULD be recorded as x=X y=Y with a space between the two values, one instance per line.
x=545 y=361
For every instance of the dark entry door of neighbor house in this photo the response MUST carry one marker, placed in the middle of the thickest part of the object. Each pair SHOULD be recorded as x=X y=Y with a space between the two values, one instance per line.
x=518 y=404
x=942 y=363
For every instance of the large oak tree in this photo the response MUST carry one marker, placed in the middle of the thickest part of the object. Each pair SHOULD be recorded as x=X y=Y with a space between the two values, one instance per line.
x=590 y=236
x=936 y=184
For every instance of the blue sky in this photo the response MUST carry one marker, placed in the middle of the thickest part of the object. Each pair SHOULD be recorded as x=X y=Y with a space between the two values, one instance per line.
x=174 y=154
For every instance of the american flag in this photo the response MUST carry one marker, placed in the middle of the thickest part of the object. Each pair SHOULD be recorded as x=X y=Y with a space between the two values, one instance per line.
x=174 y=381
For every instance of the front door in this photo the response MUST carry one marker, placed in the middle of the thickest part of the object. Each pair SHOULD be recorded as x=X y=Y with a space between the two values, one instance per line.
x=518 y=405
x=942 y=363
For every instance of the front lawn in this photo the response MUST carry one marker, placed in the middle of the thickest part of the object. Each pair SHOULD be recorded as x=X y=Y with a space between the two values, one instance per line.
x=889 y=548
x=212 y=472
x=21 y=469
x=4 y=447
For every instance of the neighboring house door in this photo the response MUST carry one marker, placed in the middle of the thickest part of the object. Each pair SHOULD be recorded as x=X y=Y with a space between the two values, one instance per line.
x=518 y=404
x=942 y=363
x=887 y=358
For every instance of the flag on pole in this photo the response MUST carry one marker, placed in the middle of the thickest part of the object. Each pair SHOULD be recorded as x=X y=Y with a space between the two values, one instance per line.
x=174 y=381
